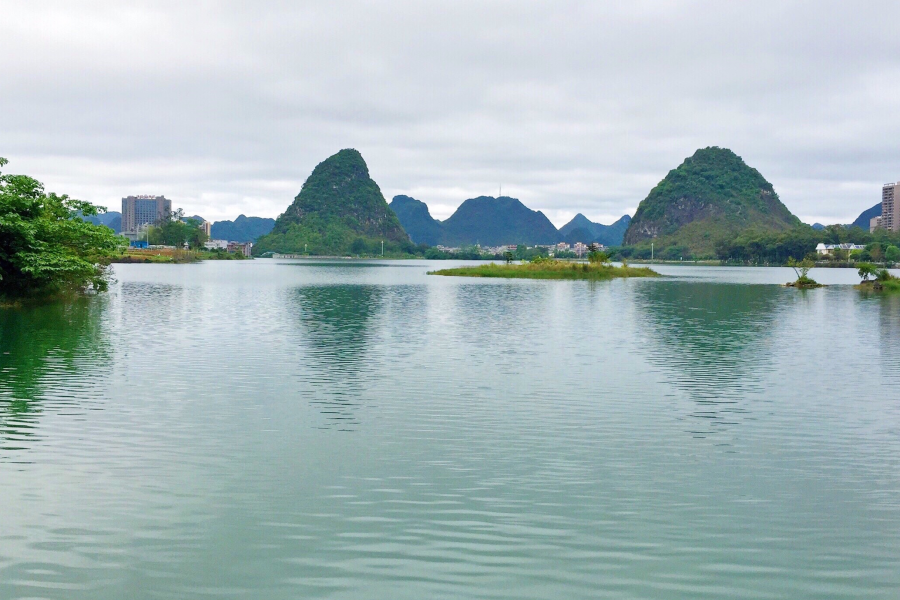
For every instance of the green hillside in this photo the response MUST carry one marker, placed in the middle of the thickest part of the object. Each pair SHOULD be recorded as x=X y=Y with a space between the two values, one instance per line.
x=417 y=221
x=493 y=221
x=582 y=229
x=339 y=211
x=242 y=229
x=711 y=196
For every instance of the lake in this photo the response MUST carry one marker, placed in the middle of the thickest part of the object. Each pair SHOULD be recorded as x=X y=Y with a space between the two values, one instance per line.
x=358 y=429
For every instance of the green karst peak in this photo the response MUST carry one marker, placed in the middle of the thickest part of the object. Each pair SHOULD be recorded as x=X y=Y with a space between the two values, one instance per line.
x=711 y=196
x=340 y=210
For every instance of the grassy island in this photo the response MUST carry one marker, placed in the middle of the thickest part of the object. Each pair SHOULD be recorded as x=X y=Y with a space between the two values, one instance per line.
x=892 y=285
x=882 y=280
x=549 y=269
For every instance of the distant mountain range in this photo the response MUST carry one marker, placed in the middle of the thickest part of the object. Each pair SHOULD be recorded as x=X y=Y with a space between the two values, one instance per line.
x=493 y=221
x=867 y=215
x=712 y=196
x=485 y=220
x=242 y=229
x=582 y=229
x=111 y=219
x=417 y=220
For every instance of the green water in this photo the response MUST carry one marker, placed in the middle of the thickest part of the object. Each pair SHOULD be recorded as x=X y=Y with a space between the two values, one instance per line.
x=279 y=429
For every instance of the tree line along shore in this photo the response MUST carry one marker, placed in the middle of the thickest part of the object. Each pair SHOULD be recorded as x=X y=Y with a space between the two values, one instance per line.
x=712 y=207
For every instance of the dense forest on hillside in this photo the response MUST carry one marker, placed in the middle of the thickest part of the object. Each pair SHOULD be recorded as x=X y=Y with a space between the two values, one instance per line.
x=242 y=229
x=340 y=210
x=712 y=196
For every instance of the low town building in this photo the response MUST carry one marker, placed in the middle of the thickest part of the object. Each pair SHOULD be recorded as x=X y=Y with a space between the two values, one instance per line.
x=216 y=245
x=828 y=249
x=243 y=247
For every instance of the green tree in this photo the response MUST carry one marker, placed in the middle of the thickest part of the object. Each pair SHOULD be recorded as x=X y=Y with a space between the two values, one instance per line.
x=359 y=246
x=175 y=231
x=892 y=254
x=867 y=270
x=46 y=248
x=801 y=269
x=876 y=252
x=195 y=236
x=596 y=256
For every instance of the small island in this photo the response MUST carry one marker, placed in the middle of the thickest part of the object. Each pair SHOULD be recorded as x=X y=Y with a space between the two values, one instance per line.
x=803 y=281
x=882 y=279
x=542 y=268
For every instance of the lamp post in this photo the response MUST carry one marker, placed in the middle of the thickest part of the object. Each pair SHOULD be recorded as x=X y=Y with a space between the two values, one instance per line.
x=651 y=251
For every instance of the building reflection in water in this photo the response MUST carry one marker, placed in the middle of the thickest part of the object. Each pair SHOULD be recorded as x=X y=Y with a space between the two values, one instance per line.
x=889 y=331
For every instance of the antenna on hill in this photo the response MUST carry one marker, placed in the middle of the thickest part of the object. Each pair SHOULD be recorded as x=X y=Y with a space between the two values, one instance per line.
x=501 y=191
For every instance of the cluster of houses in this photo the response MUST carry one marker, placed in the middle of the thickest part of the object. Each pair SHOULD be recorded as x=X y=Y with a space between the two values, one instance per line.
x=243 y=247
x=578 y=248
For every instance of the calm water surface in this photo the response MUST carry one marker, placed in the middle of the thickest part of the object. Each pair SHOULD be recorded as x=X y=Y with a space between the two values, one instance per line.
x=269 y=429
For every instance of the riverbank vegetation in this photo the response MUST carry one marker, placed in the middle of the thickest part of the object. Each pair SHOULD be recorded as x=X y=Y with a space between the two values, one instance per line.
x=46 y=249
x=754 y=246
x=881 y=279
x=173 y=255
x=544 y=268
x=175 y=230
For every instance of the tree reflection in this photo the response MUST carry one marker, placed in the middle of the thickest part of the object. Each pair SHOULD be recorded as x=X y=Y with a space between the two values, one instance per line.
x=711 y=339
x=889 y=330
x=38 y=346
x=336 y=322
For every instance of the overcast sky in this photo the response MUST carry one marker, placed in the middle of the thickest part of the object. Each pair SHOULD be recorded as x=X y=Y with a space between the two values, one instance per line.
x=226 y=107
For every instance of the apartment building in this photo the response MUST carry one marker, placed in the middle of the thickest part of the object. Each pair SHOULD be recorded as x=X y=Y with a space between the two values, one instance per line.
x=890 y=220
x=138 y=211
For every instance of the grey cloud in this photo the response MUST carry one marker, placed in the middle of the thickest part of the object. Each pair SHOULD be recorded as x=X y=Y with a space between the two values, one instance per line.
x=572 y=106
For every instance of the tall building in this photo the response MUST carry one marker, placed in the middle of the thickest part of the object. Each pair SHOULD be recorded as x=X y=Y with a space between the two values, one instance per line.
x=143 y=210
x=890 y=220
x=874 y=223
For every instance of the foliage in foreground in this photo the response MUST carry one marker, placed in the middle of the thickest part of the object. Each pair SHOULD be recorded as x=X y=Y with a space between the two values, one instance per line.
x=549 y=269
x=46 y=249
